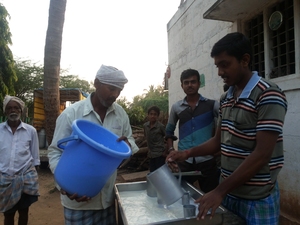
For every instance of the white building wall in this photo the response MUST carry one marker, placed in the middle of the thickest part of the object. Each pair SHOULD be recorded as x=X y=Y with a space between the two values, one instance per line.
x=190 y=40
x=289 y=177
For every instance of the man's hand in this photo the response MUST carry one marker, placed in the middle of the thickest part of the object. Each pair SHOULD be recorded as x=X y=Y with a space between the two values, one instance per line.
x=209 y=201
x=175 y=156
x=124 y=138
x=75 y=197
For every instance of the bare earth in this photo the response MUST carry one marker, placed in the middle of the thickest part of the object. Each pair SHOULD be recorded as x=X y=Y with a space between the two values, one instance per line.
x=48 y=209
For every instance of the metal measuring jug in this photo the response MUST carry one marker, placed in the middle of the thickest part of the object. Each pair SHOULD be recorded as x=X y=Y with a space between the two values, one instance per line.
x=168 y=188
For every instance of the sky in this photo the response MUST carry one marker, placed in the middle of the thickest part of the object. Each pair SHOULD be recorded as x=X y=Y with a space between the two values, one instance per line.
x=129 y=35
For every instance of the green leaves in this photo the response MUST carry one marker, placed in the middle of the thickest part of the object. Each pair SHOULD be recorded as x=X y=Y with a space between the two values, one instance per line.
x=73 y=81
x=137 y=110
x=7 y=72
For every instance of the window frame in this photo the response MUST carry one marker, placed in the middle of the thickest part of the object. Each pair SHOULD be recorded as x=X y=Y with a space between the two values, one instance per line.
x=287 y=82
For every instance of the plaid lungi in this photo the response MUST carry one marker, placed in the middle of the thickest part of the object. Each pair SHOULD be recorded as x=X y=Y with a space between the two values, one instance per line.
x=256 y=212
x=90 y=217
x=12 y=187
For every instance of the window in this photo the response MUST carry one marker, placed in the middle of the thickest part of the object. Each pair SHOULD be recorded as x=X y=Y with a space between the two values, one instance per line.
x=256 y=36
x=280 y=41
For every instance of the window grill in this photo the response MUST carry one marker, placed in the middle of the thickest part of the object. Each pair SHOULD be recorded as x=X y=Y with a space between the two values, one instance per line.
x=283 y=42
x=255 y=29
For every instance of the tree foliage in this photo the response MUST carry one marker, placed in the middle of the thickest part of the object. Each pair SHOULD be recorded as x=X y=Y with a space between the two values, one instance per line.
x=135 y=113
x=154 y=96
x=137 y=110
x=73 y=81
x=30 y=76
x=7 y=72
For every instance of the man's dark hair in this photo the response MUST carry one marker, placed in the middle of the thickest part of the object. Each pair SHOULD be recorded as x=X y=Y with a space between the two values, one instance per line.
x=189 y=73
x=155 y=109
x=234 y=44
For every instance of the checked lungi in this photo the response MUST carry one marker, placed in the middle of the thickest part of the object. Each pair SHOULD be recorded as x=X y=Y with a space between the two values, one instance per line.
x=12 y=187
x=90 y=217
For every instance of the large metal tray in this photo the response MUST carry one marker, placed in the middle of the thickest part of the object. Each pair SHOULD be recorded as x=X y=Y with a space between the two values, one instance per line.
x=222 y=216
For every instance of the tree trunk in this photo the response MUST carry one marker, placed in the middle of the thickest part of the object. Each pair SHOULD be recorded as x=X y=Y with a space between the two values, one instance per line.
x=52 y=64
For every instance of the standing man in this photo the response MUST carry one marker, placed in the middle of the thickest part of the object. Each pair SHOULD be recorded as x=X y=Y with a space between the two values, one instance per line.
x=19 y=159
x=249 y=134
x=155 y=134
x=196 y=115
x=100 y=108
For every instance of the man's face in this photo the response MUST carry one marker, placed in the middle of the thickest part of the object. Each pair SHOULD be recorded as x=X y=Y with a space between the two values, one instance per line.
x=13 y=111
x=152 y=116
x=230 y=69
x=190 y=85
x=107 y=94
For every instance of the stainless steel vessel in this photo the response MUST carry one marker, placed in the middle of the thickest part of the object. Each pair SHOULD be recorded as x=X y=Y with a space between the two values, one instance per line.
x=138 y=209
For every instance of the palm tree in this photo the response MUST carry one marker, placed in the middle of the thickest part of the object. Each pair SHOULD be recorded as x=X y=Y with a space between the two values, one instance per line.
x=52 y=64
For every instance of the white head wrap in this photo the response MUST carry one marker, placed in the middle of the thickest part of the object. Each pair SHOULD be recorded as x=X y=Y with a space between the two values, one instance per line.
x=9 y=98
x=112 y=76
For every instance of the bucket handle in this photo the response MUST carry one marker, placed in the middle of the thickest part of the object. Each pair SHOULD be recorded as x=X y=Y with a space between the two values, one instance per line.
x=67 y=139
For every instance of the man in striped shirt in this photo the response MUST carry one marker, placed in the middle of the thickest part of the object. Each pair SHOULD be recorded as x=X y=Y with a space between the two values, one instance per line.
x=249 y=134
x=196 y=117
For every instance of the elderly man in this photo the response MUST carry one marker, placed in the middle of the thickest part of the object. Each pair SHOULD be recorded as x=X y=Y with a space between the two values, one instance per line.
x=19 y=154
x=100 y=107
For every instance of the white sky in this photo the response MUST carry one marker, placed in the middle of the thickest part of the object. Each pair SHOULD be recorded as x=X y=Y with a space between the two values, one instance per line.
x=129 y=35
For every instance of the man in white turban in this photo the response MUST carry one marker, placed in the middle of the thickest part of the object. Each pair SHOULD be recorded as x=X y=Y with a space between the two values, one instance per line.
x=19 y=180
x=112 y=76
x=13 y=98
x=99 y=107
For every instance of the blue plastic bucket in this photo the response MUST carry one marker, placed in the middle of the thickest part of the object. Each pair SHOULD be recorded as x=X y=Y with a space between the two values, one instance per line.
x=90 y=157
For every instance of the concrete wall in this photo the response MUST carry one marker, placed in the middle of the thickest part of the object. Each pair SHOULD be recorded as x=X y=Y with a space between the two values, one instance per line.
x=190 y=40
x=289 y=177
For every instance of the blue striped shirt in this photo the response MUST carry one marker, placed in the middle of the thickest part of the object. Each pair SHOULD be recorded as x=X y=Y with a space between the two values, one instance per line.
x=195 y=126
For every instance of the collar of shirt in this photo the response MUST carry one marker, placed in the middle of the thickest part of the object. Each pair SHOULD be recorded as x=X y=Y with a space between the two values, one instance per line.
x=21 y=125
x=148 y=124
x=88 y=108
x=201 y=98
x=248 y=88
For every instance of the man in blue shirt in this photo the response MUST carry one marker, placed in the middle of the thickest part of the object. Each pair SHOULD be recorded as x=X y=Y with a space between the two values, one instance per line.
x=196 y=115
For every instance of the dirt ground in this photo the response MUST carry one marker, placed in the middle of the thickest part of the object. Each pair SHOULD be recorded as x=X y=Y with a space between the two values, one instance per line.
x=48 y=209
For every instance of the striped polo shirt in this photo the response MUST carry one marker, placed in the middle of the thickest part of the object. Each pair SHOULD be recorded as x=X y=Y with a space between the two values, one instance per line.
x=195 y=126
x=261 y=107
